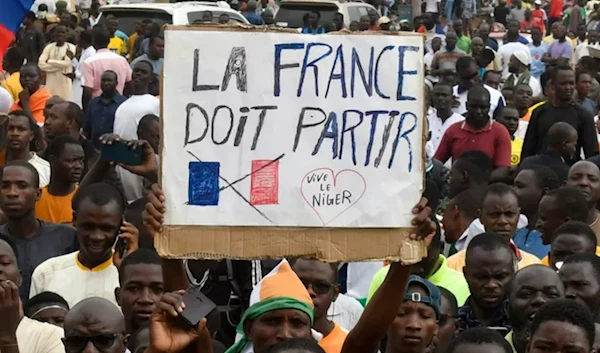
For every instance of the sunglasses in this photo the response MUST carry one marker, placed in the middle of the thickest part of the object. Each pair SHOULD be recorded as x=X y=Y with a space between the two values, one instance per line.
x=444 y=319
x=319 y=287
x=78 y=343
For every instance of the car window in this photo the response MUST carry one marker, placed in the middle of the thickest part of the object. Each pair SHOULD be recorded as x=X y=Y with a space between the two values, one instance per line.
x=363 y=10
x=127 y=18
x=353 y=13
x=197 y=16
x=292 y=13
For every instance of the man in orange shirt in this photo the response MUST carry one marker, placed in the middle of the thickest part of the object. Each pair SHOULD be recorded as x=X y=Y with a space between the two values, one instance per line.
x=33 y=97
x=320 y=280
x=66 y=164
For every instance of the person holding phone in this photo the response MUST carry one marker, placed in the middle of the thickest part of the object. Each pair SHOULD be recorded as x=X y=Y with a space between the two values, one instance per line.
x=93 y=270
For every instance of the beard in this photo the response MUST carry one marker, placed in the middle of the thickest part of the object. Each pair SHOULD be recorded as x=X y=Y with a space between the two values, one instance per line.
x=521 y=329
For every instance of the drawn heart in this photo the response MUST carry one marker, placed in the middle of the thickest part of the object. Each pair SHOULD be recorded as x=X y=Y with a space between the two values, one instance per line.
x=329 y=194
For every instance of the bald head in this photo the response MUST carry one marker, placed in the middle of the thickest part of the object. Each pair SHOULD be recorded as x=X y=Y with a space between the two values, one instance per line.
x=585 y=176
x=94 y=316
x=538 y=273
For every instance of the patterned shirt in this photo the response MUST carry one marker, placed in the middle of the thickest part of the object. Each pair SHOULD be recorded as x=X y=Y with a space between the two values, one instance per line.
x=468 y=319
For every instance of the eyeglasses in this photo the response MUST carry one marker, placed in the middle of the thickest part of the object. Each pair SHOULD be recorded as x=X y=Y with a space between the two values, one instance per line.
x=319 y=287
x=78 y=343
x=444 y=319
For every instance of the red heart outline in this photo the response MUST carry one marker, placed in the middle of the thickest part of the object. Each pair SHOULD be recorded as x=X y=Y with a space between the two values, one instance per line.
x=335 y=177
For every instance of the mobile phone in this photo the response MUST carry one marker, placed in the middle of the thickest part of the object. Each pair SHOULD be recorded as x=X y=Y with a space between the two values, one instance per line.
x=197 y=306
x=120 y=152
x=121 y=246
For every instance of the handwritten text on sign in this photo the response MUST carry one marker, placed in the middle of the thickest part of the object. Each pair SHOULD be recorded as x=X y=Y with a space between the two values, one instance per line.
x=280 y=129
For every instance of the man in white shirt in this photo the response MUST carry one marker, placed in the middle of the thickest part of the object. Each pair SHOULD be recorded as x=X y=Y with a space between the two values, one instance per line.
x=19 y=136
x=88 y=50
x=97 y=216
x=6 y=101
x=127 y=119
x=467 y=73
x=442 y=116
x=510 y=46
x=519 y=73
x=29 y=336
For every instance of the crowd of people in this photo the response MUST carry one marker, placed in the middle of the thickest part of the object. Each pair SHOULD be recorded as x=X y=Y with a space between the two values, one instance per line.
x=509 y=214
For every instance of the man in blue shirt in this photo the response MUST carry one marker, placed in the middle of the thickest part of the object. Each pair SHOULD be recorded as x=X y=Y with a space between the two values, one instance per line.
x=313 y=24
x=100 y=115
x=251 y=14
x=531 y=184
x=537 y=50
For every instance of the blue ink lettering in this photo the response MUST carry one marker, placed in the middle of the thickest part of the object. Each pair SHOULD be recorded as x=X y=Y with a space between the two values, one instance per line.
x=389 y=47
x=278 y=66
x=404 y=135
x=330 y=134
x=401 y=51
x=306 y=65
x=356 y=64
x=339 y=57
x=350 y=129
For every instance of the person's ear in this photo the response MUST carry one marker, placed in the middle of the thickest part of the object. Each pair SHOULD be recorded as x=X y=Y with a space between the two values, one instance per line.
x=478 y=212
x=545 y=191
x=248 y=329
x=465 y=176
x=19 y=282
x=336 y=292
x=38 y=194
x=126 y=339
x=118 y=295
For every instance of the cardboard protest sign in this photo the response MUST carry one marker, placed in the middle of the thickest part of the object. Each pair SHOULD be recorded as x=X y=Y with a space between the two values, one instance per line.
x=276 y=143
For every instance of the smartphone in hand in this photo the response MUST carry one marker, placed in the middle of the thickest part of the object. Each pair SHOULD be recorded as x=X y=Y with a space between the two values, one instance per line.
x=197 y=306
x=120 y=152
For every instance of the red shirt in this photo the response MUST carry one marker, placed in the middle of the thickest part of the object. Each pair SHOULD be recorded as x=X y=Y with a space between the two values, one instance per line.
x=493 y=139
x=537 y=18
x=556 y=7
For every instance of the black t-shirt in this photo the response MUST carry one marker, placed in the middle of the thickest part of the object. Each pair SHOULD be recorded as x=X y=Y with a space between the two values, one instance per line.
x=500 y=14
x=52 y=240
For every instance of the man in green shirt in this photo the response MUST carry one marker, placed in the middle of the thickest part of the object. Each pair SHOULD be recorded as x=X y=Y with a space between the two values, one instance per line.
x=463 y=42
x=433 y=268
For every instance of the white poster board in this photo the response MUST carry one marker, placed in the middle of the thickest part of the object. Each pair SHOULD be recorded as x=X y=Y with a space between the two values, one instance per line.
x=291 y=130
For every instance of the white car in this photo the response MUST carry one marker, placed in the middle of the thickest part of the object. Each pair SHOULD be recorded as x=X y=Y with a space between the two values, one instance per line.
x=181 y=13
x=290 y=12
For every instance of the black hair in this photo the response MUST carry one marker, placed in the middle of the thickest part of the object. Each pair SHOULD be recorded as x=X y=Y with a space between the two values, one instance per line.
x=578 y=74
x=477 y=164
x=145 y=122
x=101 y=37
x=580 y=229
x=478 y=336
x=57 y=145
x=558 y=133
x=477 y=91
x=99 y=194
x=464 y=63
x=30 y=15
x=582 y=258
x=30 y=119
x=147 y=63
x=140 y=256
x=306 y=344
x=15 y=57
x=446 y=294
x=557 y=69
x=485 y=75
x=86 y=36
x=432 y=194
x=316 y=12
x=545 y=177
x=74 y=112
x=498 y=189
x=35 y=176
x=468 y=202
x=569 y=311
x=571 y=203
x=444 y=84
x=9 y=240
x=154 y=38
x=488 y=241
x=43 y=298
x=146 y=21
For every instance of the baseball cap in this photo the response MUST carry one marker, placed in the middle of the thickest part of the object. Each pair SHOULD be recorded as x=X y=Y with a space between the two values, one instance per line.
x=383 y=19
x=433 y=297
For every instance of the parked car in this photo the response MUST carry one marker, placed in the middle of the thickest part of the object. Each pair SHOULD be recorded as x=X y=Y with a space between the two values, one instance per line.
x=181 y=13
x=290 y=12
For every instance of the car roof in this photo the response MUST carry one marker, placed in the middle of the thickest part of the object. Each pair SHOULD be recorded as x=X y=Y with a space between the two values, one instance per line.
x=170 y=8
